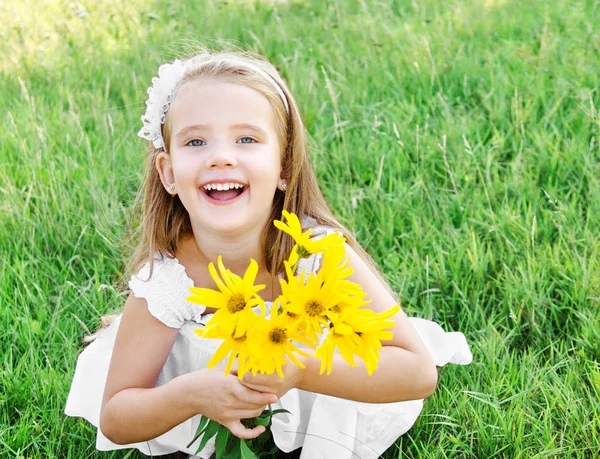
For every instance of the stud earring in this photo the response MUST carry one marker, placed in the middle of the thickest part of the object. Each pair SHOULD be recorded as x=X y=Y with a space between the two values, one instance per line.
x=283 y=186
x=171 y=190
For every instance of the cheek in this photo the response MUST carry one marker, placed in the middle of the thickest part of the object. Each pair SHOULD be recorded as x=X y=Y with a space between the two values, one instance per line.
x=185 y=166
x=265 y=165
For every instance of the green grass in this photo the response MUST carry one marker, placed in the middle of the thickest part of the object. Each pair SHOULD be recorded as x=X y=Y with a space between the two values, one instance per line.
x=459 y=139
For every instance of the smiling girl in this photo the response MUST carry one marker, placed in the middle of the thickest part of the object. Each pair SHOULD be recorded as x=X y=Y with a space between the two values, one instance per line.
x=227 y=156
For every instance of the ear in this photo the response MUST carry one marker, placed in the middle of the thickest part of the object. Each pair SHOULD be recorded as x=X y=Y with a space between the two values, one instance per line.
x=282 y=174
x=165 y=170
x=282 y=185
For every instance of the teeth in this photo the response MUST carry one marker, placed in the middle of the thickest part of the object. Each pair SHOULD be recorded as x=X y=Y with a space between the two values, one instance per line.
x=223 y=186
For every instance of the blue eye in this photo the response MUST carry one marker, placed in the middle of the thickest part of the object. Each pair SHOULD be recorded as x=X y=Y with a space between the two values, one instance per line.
x=246 y=140
x=196 y=143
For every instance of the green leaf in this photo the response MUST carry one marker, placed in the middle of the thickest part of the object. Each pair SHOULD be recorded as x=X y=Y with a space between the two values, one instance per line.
x=221 y=442
x=249 y=423
x=262 y=420
x=281 y=410
x=200 y=430
x=246 y=451
x=203 y=422
x=233 y=449
x=270 y=453
x=211 y=430
x=258 y=443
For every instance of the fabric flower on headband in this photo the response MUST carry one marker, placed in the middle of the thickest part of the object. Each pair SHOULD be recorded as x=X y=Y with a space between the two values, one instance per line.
x=159 y=100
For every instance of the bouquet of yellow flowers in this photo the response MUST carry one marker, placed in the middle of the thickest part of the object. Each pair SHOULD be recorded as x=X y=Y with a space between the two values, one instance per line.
x=310 y=304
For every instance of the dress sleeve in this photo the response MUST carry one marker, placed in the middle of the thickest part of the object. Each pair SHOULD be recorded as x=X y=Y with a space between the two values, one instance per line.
x=166 y=292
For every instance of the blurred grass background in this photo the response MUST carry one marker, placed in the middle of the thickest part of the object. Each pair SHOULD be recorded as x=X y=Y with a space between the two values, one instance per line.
x=459 y=139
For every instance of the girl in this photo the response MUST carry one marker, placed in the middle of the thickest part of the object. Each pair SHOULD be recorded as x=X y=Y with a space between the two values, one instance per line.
x=228 y=154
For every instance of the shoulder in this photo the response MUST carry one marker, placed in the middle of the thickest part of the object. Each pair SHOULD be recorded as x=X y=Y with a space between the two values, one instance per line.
x=160 y=267
x=364 y=273
x=165 y=286
x=154 y=269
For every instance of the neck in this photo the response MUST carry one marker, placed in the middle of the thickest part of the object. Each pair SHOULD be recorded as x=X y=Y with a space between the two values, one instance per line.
x=204 y=246
x=235 y=250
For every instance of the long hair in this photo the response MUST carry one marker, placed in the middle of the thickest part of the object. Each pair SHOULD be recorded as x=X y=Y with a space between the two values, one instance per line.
x=164 y=220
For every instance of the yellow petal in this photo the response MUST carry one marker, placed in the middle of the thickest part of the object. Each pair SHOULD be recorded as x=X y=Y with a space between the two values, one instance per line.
x=219 y=355
x=293 y=259
x=296 y=361
x=250 y=277
x=347 y=354
x=208 y=297
x=230 y=362
x=225 y=274
x=217 y=279
x=282 y=227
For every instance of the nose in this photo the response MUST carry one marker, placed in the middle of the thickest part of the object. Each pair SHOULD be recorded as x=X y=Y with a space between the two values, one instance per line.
x=222 y=156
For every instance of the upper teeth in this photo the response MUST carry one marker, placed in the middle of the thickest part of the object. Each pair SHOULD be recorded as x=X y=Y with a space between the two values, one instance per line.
x=223 y=186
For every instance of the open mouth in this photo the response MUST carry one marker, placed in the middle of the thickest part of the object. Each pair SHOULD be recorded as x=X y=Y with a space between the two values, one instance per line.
x=224 y=191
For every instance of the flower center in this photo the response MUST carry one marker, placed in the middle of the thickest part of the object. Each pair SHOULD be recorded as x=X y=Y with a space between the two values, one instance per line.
x=241 y=339
x=236 y=303
x=314 y=308
x=277 y=335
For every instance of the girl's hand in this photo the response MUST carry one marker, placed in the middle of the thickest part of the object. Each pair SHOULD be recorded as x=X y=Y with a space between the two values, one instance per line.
x=292 y=377
x=226 y=400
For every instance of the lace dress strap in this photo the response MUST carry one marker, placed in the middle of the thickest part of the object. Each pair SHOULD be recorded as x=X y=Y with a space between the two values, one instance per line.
x=166 y=292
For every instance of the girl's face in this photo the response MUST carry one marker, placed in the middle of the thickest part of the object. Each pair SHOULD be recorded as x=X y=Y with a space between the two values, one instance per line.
x=225 y=158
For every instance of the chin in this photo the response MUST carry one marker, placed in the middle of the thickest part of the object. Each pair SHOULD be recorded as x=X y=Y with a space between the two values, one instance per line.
x=233 y=223
x=232 y=220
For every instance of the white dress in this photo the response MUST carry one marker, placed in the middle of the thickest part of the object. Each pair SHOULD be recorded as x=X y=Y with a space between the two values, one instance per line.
x=324 y=426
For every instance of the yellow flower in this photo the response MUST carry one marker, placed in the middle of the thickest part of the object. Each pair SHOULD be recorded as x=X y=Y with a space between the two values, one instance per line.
x=235 y=300
x=357 y=332
x=310 y=300
x=306 y=304
x=305 y=246
x=235 y=347
x=333 y=273
x=271 y=344
x=370 y=327
x=288 y=318
x=342 y=337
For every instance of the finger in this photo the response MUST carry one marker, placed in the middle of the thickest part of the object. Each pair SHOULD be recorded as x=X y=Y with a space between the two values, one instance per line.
x=238 y=429
x=241 y=410
x=247 y=395
x=257 y=388
x=262 y=383
x=247 y=413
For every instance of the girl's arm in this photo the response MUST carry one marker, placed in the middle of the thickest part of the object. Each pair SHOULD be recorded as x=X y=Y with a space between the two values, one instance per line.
x=134 y=410
x=405 y=371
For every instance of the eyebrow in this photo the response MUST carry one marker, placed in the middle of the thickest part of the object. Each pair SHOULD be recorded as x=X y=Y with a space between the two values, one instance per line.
x=251 y=127
x=206 y=127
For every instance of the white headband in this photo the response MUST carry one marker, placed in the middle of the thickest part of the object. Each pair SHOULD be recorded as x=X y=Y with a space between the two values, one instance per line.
x=160 y=96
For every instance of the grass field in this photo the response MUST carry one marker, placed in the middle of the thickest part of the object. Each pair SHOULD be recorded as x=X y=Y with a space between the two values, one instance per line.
x=459 y=139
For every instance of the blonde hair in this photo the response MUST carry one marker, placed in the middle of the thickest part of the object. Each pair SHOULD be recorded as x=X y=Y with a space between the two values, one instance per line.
x=164 y=220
